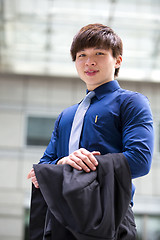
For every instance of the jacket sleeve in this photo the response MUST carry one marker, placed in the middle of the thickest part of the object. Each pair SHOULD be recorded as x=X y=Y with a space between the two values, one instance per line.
x=38 y=210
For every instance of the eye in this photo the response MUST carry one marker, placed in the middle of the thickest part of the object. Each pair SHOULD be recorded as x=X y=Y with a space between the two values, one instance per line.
x=99 y=53
x=81 y=55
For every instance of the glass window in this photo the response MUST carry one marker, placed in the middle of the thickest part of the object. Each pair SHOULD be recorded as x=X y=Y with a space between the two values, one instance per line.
x=26 y=223
x=139 y=225
x=153 y=227
x=147 y=227
x=39 y=130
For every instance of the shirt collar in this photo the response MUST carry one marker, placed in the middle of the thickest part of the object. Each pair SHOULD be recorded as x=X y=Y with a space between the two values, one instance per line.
x=105 y=88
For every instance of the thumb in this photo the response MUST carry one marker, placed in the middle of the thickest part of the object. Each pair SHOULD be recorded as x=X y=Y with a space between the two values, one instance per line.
x=29 y=174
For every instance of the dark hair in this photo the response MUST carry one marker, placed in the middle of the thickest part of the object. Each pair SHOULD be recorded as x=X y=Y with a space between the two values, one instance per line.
x=97 y=35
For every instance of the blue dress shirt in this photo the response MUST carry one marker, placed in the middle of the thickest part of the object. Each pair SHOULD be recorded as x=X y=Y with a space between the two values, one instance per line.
x=117 y=121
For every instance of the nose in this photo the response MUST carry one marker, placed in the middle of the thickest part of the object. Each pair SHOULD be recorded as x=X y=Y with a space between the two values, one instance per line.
x=90 y=62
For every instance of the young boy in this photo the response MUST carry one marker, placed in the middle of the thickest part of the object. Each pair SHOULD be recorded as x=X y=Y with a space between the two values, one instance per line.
x=117 y=120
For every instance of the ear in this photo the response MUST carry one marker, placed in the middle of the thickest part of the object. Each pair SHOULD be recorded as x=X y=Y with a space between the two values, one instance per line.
x=118 y=61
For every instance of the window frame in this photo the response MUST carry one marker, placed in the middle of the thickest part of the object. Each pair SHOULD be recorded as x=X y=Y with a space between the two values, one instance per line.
x=38 y=116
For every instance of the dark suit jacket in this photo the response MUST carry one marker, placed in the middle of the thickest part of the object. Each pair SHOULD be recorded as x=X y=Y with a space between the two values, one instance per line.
x=90 y=206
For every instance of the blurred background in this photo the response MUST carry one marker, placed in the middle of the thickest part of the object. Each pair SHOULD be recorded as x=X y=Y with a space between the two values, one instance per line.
x=38 y=80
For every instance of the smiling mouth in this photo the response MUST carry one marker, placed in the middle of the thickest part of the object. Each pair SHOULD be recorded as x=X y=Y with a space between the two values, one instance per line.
x=91 y=72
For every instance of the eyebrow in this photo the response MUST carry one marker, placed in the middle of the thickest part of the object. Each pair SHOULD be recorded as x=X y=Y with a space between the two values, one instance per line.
x=96 y=48
x=99 y=48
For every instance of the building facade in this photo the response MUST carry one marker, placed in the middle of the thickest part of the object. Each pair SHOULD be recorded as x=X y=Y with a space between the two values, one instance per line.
x=29 y=106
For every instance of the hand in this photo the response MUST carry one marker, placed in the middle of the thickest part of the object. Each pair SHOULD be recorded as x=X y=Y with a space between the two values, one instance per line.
x=32 y=175
x=81 y=159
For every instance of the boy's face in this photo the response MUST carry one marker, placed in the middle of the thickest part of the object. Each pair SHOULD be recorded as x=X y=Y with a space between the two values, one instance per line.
x=96 y=66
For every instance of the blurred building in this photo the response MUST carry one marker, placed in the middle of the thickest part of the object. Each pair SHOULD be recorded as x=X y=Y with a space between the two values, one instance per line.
x=38 y=80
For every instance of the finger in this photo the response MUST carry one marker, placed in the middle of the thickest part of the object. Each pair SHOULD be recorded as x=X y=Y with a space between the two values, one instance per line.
x=81 y=160
x=96 y=153
x=60 y=162
x=73 y=163
x=36 y=184
x=91 y=160
x=30 y=173
x=34 y=179
x=85 y=159
x=29 y=176
x=67 y=160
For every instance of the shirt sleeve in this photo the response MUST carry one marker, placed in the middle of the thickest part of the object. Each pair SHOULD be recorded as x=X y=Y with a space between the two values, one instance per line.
x=137 y=134
x=50 y=154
